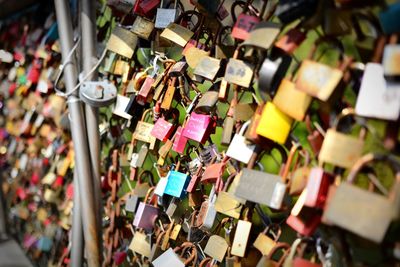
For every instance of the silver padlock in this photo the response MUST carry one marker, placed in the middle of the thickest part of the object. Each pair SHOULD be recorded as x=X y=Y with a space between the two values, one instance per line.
x=165 y=16
x=98 y=94
x=138 y=159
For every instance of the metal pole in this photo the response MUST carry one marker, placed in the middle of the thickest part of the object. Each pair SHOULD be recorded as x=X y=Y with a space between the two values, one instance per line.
x=78 y=132
x=3 y=224
x=88 y=29
x=77 y=234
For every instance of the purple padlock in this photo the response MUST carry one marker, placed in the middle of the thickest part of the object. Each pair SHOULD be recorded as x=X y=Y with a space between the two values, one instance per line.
x=146 y=214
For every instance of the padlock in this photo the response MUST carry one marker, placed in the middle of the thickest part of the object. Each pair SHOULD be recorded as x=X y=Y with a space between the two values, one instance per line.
x=391 y=69
x=207 y=67
x=298 y=261
x=227 y=203
x=216 y=247
x=302 y=219
x=207 y=212
x=177 y=34
x=142 y=27
x=143 y=130
x=180 y=141
x=165 y=16
x=177 y=183
x=299 y=176
x=376 y=99
x=272 y=71
x=207 y=102
x=388 y=18
x=274 y=124
x=238 y=72
x=98 y=94
x=264 y=243
x=146 y=214
x=198 y=127
x=269 y=260
x=195 y=51
x=213 y=173
x=242 y=234
x=340 y=149
x=139 y=158
x=194 y=181
x=261 y=187
x=122 y=41
x=317 y=79
x=263 y=35
x=317 y=187
x=239 y=148
x=366 y=213
x=292 y=39
x=121 y=105
x=142 y=187
x=141 y=244
x=291 y=101
x=146 y=8
x=163 y=129
x=244 y=23
x=168 y=258
x=168 y=96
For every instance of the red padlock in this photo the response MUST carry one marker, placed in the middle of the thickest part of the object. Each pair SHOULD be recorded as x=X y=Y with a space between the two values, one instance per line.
x=317 y=187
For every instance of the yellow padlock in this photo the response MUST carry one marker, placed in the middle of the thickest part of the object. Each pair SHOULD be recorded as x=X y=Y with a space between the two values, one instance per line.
x=274 y=124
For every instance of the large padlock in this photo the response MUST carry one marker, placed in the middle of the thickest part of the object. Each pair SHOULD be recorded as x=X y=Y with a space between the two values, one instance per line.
x=146 y=214
x=198 y=127
x=142 y=27
x=165 y=16
x=274 y=124
x=239 y=148
x=143 y=130
x=292 y=101
x=163 y=129
x=362 y=212
x=261 y=187
x=98 y=94
x=122 y=41
x=177 y=183
x=340 y=149
x=317 y=79
x=244 y=23
x=227 y=203
x=177 y=34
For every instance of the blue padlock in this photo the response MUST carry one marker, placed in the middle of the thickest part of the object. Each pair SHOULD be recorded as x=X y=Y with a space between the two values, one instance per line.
x=44 y=244
x=177 y=184
x=389 y=19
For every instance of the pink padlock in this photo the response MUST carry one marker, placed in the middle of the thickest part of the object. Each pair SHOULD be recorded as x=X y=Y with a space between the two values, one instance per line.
x=162 y=129
x=244 y=24
x=198 y=127
x=119 y=257
x=180 y=141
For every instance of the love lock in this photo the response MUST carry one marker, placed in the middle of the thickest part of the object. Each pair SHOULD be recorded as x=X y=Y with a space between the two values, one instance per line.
x=98 y=94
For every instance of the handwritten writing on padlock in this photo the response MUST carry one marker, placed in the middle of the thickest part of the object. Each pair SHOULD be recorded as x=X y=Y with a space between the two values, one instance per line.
x=197 y=127
x=244 y=24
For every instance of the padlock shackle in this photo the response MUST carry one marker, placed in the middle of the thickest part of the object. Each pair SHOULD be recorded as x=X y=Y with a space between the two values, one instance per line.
x=288 y=163
x=371 y=157
x=272 y=227
x=334 y=42
x=279 y=246
x=246 y=6
x=144 y=173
